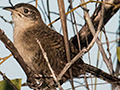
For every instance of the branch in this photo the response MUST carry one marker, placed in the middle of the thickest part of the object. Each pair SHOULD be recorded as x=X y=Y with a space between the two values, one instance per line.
x=65 y=33
x=9 y=45
x=10 y=3
x=79 y=55
x=10 y=22
x=71 y=6
x=86 y=32
x=46 y=58
x=92 y=29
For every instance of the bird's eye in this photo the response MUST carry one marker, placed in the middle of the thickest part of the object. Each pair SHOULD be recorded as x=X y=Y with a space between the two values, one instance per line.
x=26 y=10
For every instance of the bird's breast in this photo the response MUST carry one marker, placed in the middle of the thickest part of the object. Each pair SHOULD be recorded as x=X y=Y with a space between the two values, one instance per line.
x=26 y=46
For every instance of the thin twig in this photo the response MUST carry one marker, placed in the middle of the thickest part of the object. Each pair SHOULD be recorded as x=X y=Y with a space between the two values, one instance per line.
x=99 y=28
x=36 y=2
x=72 y=23
x=92 y=29
x=46 y=58
x=98 y=56
x=4 y=59
x=90 y=1
x=108 y=48
x=78 y=38
x=111 y=41
x=10 y=3
x=78 y=56
x=48 y=9
x=86 y=83
x=6 y=20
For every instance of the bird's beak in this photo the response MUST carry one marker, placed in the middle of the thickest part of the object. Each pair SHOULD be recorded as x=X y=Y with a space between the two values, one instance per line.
x=9 y=8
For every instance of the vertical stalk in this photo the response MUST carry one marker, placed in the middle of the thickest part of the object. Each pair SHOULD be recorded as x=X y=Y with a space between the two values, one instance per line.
x=65 y=33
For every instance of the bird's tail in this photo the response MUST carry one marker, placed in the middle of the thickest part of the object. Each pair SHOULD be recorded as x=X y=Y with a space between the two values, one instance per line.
x=101 y=74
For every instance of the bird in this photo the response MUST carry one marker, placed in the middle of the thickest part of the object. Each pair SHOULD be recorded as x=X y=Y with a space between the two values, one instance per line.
x=28 y=25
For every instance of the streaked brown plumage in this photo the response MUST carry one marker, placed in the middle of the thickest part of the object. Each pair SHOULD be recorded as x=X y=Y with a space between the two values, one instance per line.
x=28 y=27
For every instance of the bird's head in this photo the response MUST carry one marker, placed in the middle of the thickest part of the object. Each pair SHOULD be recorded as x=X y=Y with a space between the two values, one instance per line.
x=24 y=14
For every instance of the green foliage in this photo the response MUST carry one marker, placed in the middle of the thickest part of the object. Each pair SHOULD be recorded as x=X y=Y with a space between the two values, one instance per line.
x=4 y=85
